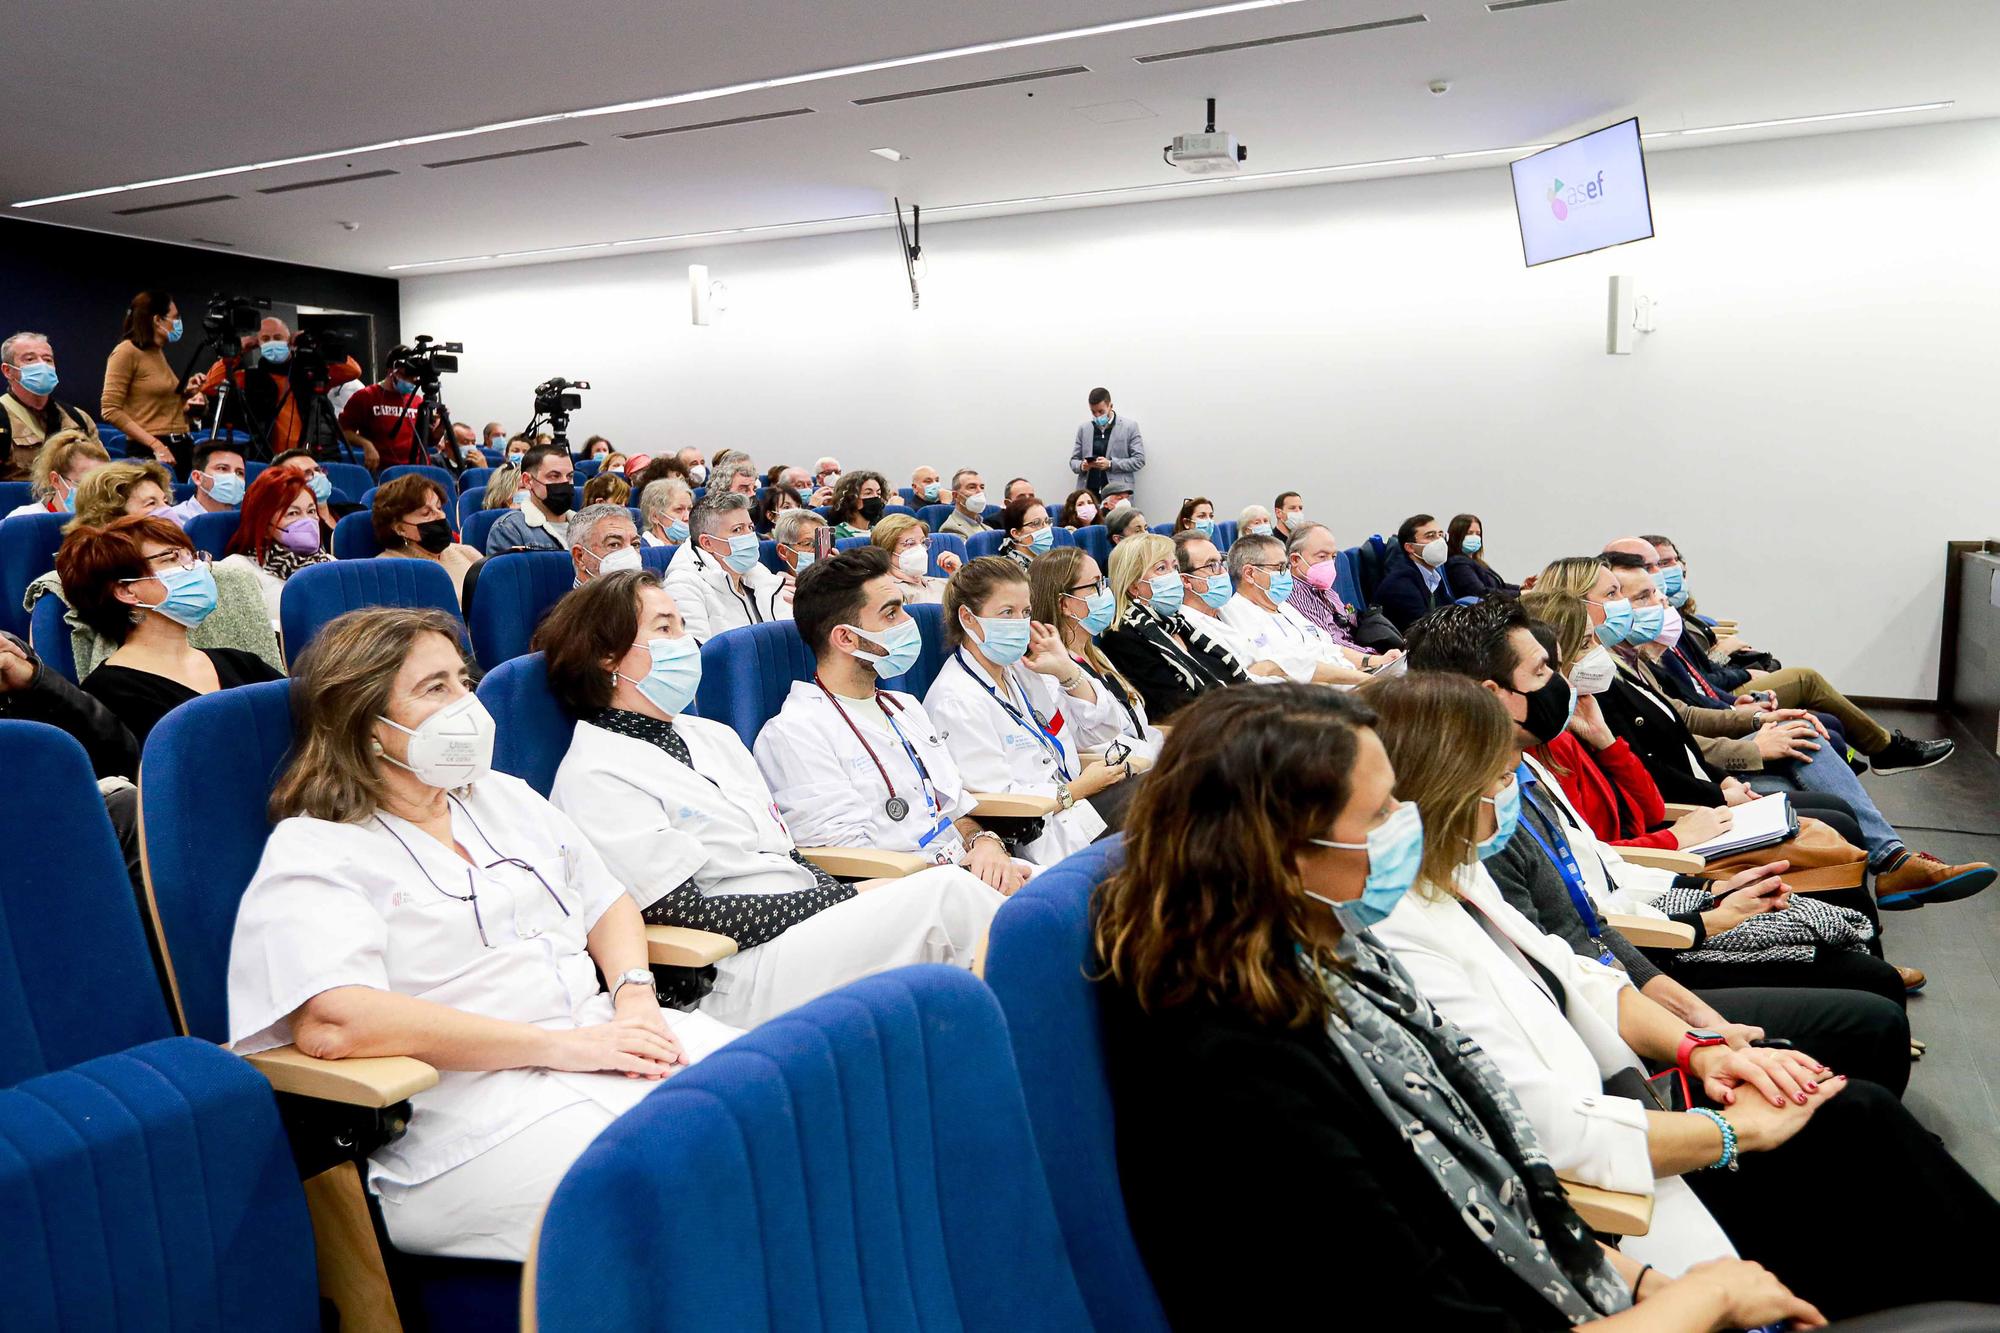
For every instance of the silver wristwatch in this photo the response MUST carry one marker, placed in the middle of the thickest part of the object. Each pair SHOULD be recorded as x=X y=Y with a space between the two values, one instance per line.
x=1065 y=799
x=638 y=976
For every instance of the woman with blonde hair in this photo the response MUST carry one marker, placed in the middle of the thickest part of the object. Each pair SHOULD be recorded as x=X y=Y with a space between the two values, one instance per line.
x=503 y=488
x=412 y=901
x=59 y=467
x=1151 y=643
x=121 y=490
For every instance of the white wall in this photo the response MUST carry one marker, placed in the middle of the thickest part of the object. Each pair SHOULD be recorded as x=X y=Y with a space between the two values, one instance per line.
x=1813 y=419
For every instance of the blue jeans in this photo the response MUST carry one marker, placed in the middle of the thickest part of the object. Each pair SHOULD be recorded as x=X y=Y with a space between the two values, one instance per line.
x=1827 y=771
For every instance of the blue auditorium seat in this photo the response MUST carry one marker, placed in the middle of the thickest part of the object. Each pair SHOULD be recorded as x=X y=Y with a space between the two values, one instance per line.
x=746 y=674
x=28 y=544
x=583 y=469
x=354 y=536
x=532 y=732
x=1162 y=529
x=14 y=494
x=211 y=532
x=473 y=478
x=183 y=491
x=932 y=516
x=984 y=543
x=145 y=1179
x=477 y=524
x=1347 y=579
x=1225 y=534
x=1096 y=539
x=228 y=436
x=909 y=495
x=253 y=469
x=942 y=542
x=1038 y=962
x=657 y=558
x=470 y=501
x=898 y=509
x=436 y=474
x=515 y=590
x=860 y=1162
x=350 y=480
x=851 y=543
x=49 y=634
x=318 y=593
x=768 y=557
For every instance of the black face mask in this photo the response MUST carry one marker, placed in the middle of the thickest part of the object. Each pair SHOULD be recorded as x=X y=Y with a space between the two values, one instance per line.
x=434 y=535
x=561 y=497
x=871 y=509
x=1549 y=709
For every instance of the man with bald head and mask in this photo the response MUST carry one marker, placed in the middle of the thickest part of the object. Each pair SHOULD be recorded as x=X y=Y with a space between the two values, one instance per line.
x=1695 y=676
x=260 y=401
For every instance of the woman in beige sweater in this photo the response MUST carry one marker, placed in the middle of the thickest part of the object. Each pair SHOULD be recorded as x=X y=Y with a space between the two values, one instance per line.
x=142 y=395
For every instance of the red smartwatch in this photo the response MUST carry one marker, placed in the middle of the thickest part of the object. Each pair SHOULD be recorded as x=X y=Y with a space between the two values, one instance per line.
x=1693 y=1040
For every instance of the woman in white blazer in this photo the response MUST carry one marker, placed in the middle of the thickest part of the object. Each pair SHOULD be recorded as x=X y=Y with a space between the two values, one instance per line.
x=999 y=703
x=678 y=810
x=1567 y=1032
x=1068 y=590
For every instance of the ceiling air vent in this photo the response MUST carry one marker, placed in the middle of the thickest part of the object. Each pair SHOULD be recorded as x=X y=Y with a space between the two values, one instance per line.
x=1030 y=77
x=1502 y=6
x=326 y=180
x=161 y=208
x=719 y=124
x=511 y=152
x=1343 y=31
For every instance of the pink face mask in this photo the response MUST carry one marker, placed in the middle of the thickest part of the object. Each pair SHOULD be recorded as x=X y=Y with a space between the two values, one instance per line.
x=1323 y=575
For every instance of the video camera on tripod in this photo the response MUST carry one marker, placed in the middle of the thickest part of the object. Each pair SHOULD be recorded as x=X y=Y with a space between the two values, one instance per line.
x=553 y=404
x=230 y=319
x=421 y=363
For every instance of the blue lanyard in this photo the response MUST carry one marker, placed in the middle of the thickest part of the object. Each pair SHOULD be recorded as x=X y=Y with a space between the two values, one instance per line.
x=938 y=822
x=1565 y=863
x=1042 y=734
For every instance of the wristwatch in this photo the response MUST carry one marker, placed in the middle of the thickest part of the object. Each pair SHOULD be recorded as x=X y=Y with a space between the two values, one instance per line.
x=638 y=976
x=1691 y=1041
x=1064 y=799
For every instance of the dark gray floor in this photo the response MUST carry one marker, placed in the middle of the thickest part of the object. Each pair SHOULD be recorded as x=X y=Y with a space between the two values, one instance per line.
x=1953 y=812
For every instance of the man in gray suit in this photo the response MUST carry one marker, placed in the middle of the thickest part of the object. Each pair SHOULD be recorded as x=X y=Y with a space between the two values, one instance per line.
x=1109 y=449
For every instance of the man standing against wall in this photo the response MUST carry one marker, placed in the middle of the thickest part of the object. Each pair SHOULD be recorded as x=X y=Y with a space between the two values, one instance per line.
x=1109 y=449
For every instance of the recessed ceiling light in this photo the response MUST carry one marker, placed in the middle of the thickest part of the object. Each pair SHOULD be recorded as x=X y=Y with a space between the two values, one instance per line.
x=890 y=154
x=679 y=99
x=1798 y=120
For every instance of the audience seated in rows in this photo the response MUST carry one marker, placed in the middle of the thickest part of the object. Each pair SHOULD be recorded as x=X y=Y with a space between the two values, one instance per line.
x=1315 y=566
x=1466 y=573
x=1079 y=510
x=602 y=540
x=219 y=478
x=57 y=469
x=503 y=489
x=858 y=502
x=1025 y=520
x=664 y=506
x=1413 y=582
x=968 y=499
x=1270 y=627
x=1196 y=515
x=926 y=487
x=30 y=413
x=1167 y=656
x=1069 y=592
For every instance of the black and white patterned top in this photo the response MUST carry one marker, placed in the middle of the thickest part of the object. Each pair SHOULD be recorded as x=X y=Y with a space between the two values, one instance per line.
x=748 y=918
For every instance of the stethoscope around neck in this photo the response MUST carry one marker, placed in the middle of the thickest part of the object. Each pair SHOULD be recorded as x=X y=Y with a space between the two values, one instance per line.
x=471 y=895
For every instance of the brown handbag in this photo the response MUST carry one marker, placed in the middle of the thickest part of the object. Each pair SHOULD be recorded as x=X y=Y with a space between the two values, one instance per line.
x=1820 y=860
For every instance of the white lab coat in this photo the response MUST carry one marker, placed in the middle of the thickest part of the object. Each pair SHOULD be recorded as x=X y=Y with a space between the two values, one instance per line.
x=829 y=791
x=1217 y=630
x=1468 y=964
x=1102 y=718
x=659 y=823
x=350 y=905
x=711 y=602
x=995 y=752
x=1282 y=636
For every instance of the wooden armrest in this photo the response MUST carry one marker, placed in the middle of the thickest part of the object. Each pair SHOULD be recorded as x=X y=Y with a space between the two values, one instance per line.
x=864 y=862
x=1006 y=805
x=1686 y=863
x=373 y=1081
x=679 y=946
x=1609 y=1211
x=1650 y=932
x=1676 y=810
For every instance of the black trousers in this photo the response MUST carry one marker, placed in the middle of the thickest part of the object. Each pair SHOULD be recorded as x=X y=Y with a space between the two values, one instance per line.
x=1850 y=1031
x=1862 y=1211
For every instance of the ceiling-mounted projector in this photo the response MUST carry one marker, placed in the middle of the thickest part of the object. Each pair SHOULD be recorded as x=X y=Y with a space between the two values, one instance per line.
x=1207 y=153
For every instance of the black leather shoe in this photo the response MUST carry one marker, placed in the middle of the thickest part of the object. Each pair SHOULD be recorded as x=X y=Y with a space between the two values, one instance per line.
x=1905 y=755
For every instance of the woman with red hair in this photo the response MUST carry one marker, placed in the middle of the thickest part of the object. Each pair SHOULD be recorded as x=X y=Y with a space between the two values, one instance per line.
x=279 y=532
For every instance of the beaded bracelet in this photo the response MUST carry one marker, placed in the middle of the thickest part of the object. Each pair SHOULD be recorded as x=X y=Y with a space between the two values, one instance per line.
x=1727 y=1162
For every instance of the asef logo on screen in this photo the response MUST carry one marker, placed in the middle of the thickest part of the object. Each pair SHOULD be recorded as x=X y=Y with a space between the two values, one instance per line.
x=1562 y=198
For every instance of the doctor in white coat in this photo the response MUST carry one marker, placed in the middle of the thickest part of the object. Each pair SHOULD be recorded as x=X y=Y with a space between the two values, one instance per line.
x=1272 y=627
x=412 y=902
x=716 y=578
x=1000 y=699
x=677 y=808
x=854 y=765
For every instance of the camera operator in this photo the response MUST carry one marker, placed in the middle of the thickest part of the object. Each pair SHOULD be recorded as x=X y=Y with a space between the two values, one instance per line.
x=266 y=405
x=380 y=418
x=28 y=416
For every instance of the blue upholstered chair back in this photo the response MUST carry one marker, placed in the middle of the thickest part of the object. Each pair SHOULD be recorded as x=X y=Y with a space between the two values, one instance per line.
x=28 y=545
x=657 y=558
x=49 y=633
x=1096 y=539
x=211 y=532
x=318 y=593
x=531 y=730
x=470 y=501
x=767 y=556
x=350 y=480
x=515 y=591
x=933 y=515
x=1347 y=578
x=76 y=981
x=746 y=674
x=850 y=543
x=473 y=478
x=862 y=1162
x=204 y=781
x=984 y=543
x=477 y=524
x=436 y=474
x=354 y=537
x=917 y=680
x=1038 y=956
x=14 y=494
x=1225 y=534
x=942 y=542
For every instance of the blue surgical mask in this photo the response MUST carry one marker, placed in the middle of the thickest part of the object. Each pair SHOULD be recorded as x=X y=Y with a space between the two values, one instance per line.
x=1101 y=606
x=1395 y=850
x=1205 y=526
x=1471 y=544
x=402 y=386
x=274 y=354
x=1506 y=814
x=1043 y=539
x=1259 y=529
x=675 y=674
x=1617 y=621
x=225 y=488
x=1647 y=622
x=1679 y=599
x=677 y=531
x=1281 y=585
x=190 y=594
x=497 y=443
x=1167 y=595
x=1216 y=589
x=1668 y=580
x=174 y=333
x=69 y=499
x=742 y=552
x=802 y=560
x=902 y=644
x=931 y=492
x=1004 y=642
x=1101 y=420
x=321 y=487
x=37 y=377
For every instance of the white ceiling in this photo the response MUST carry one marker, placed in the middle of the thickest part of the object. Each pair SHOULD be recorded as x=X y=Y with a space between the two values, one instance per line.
x=148 y=92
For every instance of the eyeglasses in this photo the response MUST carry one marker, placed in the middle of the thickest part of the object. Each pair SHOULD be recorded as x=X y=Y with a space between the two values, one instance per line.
x=1215 y=566
x=1036 y=526
x=1268 y=569
x=1085 y=589
x=174 y=559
